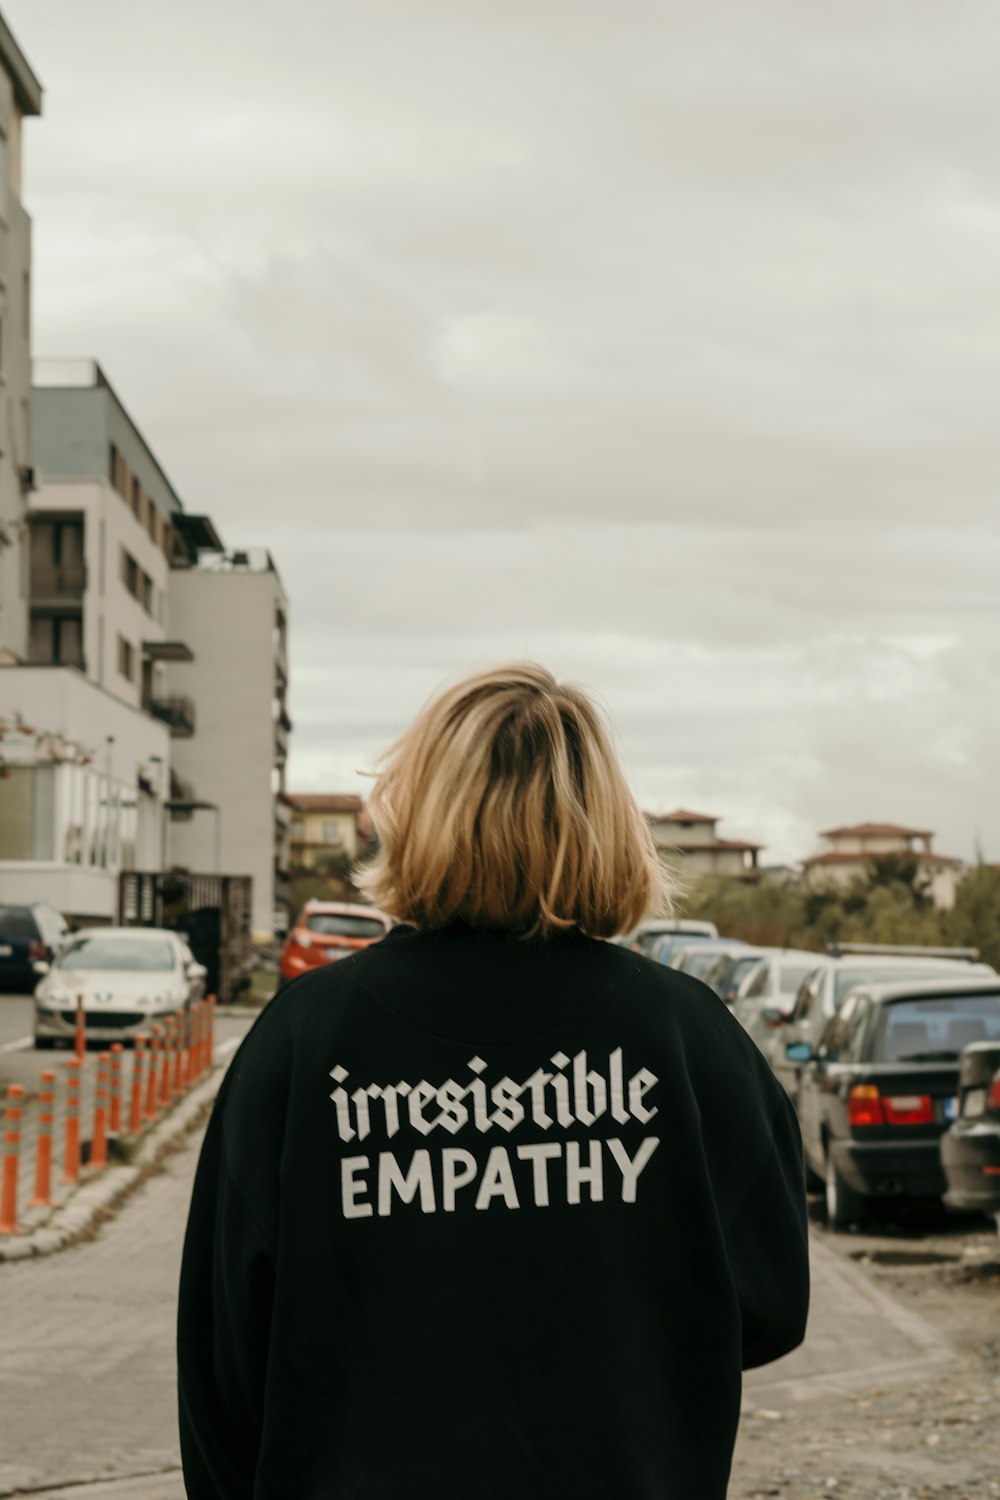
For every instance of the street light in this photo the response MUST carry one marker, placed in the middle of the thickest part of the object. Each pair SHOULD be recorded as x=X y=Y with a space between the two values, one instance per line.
x=180 y=805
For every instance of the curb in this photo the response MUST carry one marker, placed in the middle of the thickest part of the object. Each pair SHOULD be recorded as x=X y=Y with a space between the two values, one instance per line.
x=98 y=1197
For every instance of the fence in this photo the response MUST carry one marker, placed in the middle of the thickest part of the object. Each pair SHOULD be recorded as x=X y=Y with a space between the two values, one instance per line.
x=94 y=1114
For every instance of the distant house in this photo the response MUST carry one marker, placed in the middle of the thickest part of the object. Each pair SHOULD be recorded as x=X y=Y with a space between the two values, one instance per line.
x=851 y=850
x=688 y=840
x=326 y=825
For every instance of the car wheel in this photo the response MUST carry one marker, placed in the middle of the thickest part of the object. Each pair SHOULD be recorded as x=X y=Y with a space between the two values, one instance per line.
x=843 y=1205
x=814 y=1182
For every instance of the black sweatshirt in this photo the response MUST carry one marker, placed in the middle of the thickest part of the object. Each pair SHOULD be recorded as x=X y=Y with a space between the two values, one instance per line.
x=480 y=1218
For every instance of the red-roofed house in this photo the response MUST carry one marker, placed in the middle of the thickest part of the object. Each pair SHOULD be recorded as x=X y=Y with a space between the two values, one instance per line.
x=851 y=850
x=690 y=842
x=325 y=824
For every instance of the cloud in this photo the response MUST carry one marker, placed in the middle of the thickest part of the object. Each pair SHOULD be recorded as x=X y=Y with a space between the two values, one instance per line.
x=656 y=341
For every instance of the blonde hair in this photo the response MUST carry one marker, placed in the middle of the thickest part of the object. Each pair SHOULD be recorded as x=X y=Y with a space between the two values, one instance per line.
x=504 y=806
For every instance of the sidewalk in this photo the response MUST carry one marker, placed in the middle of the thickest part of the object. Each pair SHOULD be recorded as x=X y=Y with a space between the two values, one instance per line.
x=87 y=1356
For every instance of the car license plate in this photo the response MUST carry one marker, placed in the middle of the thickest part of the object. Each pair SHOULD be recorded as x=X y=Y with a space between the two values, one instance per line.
x=951 y=1109
x=974 y=1102
x=5 y=951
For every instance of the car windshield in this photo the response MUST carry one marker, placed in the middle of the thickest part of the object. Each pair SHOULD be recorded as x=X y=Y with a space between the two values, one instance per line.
x=17 y=922
x=118 y=954
x=342 y=924
x=790 y=977
x=850 y=977
x=935 y=1028
x=699 y=964
x=742 y=966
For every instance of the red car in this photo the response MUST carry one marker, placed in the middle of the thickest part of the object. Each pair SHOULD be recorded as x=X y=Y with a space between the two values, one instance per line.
x=326 y=931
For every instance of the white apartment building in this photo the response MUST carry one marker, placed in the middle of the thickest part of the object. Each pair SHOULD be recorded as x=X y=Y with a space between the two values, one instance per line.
x=20 y=97
x=101 y=538
x=234 y=611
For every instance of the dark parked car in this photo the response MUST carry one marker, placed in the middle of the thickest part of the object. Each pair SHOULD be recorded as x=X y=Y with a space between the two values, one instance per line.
x=29 y=936
x=730 y=971
x=970 y=1149
x=881 y=1088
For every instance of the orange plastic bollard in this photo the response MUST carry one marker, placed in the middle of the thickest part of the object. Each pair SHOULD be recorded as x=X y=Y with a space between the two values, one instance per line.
x=80 y=1033
x=71 y=1162
x=138 y=1071
x=115 y=1116
x=210 y=1039
x=99 y=1143
x=178 y=1085
x=166 y=1046
x=192 y=1043
x=43 y=1156
x=199 y=1050
x=11 y=1151
x=154 y=1064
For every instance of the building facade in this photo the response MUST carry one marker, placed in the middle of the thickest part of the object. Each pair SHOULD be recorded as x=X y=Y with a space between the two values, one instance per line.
x=101 y=526
x=83 y=786
x=234 y=612
x=324 y=826
x=851 y=850
x=20 y=98
x=688 y=841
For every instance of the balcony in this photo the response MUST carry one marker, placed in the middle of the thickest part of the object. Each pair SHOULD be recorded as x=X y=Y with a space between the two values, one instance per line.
x=58 y=583
x=176 y=712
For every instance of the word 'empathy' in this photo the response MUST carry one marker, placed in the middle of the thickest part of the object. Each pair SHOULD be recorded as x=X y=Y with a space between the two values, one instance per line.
x=563 y=1094
x=579 y=1096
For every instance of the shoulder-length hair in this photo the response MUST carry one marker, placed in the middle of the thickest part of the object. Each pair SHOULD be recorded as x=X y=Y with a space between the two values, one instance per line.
x=504 y=806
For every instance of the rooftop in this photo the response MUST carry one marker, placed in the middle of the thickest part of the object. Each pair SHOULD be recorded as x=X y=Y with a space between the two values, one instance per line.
x=681 y=815
x=27 y=89
x=859 y=857
x=324 y=801
x=879 y=830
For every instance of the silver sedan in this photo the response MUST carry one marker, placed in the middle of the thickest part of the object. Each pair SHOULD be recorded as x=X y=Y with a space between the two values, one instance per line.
x=125 y=978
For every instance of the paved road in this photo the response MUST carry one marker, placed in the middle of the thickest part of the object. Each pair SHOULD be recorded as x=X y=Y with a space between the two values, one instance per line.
x=87 y=1369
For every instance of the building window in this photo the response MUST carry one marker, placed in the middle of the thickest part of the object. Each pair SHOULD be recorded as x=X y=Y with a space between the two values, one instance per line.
x=56 y=640
x=333 y=834
x=136 y=496
x=152 y=518
x=113 y=465
x=27 y=812
x=126 y=658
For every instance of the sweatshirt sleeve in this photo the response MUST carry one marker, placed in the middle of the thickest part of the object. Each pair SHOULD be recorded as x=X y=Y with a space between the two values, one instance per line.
x=768 y=1246
x=224 y=1314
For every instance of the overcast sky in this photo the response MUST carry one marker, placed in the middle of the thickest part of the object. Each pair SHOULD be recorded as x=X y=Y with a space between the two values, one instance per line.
x=657 y=341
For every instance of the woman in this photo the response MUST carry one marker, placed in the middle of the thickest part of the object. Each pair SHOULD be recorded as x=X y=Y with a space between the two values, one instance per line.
x=493 y=1208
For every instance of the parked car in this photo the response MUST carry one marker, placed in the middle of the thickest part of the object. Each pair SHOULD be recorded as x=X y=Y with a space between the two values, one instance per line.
x=729 y=971
x=701 y=957
x=126 y=977
x=824 y=990
x=970 y=1148
x=650 y=934
x=881 y=1088
x=767 y=992
x=328 y=930
x=30 y=936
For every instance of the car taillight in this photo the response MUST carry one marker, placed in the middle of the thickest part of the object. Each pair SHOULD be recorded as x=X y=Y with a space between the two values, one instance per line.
x=909 y=1109
x=37 y=949
x=993 y=1098
x=864 y=1105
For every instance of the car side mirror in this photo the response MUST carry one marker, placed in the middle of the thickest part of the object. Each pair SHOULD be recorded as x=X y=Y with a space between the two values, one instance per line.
x=196 y=970
x=799 y=1052
x=40 y=967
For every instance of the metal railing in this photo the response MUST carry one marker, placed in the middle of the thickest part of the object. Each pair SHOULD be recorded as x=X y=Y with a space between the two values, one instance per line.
x=177 y=712
x=58 y=580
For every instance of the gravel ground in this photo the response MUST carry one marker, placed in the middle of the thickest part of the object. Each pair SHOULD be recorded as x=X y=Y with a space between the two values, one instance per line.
x=933 y=1439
